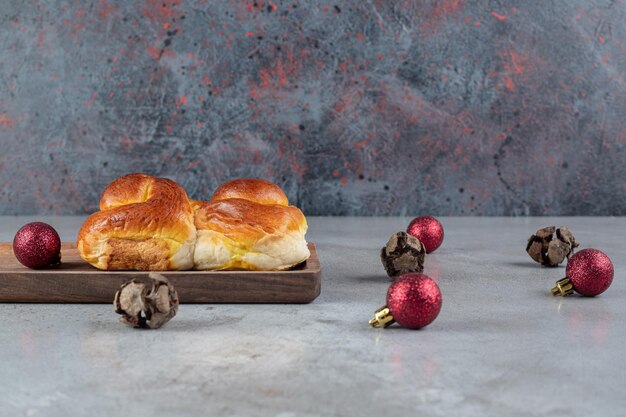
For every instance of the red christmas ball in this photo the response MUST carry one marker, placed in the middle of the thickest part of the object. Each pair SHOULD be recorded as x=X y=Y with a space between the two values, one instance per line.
x=37 y=245
x=590 y=271
x=414 y=300
x=428 y=230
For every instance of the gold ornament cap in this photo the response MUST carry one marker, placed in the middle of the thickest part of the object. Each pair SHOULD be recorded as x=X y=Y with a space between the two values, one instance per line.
x=382 y=318
x=563 y=287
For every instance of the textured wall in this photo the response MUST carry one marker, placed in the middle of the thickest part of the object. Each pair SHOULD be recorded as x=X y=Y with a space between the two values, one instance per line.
x=362 y=107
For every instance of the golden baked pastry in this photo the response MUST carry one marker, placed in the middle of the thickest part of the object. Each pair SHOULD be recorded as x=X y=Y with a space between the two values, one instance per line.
x=248 y=224
x=149 y=223
x=144 y=223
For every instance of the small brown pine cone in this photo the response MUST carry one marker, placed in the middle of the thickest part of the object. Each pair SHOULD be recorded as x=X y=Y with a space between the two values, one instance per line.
x=544 y=248
x=403 y=253
x=147 y=308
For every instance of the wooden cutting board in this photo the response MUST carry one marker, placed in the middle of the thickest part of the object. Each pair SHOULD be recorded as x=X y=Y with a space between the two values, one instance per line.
x=75 y=281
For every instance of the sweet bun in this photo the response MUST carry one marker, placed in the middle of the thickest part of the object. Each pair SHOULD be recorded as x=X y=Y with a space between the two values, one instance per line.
x=144 y=223
x=238 y=233
x=148 y=223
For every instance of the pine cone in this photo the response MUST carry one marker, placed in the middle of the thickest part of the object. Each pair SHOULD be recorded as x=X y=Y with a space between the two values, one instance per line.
x=548 y=251
x=147 y=308
x=403 y=253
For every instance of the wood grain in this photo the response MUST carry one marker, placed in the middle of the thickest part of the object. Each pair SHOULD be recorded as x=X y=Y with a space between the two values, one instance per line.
x=75 y=281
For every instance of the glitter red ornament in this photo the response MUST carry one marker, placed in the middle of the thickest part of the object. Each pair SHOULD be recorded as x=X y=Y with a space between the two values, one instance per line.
x=428 y=230
x=413 y=301
x=37 y=245
x=589 y=273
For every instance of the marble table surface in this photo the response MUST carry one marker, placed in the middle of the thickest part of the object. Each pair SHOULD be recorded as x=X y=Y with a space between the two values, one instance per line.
x=501 y=346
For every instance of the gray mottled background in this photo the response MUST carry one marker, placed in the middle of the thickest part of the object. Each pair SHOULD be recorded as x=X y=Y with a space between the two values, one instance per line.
x=450 y=107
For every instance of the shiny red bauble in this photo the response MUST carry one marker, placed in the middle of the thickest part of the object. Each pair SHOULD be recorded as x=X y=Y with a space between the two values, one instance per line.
x=414 y=300
x=37 y=245
x=590 y=271
x=428 y=230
